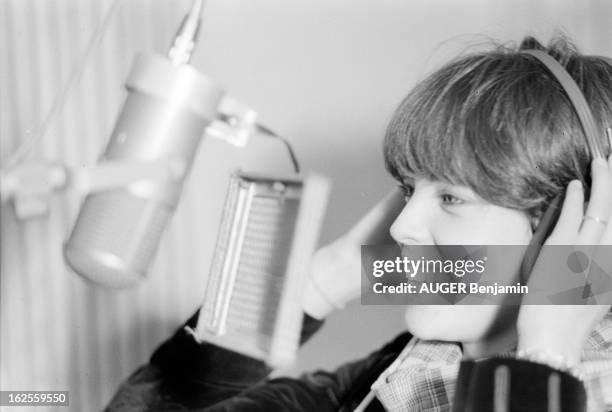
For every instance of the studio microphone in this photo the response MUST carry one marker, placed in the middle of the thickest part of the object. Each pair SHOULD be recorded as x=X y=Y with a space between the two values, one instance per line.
x=167 y=109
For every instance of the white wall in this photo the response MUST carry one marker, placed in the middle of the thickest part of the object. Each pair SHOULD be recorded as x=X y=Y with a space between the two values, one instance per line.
x=326 y=74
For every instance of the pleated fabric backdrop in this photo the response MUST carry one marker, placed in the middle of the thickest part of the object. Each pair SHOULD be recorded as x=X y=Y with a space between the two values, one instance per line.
x=328 y=75
x=58 y=332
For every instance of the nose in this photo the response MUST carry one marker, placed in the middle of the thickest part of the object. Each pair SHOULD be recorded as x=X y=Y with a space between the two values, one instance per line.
x=411 y=227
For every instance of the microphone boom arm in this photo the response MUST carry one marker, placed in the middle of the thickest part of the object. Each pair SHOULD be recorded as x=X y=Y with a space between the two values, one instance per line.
x=31 y=185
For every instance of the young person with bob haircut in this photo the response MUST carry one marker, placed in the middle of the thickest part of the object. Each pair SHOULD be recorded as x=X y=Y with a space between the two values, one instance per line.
x=480 y=148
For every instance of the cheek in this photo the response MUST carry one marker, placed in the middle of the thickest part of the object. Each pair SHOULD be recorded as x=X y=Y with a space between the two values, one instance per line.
x=465 y=323
x=512 y=228
x=486 y=225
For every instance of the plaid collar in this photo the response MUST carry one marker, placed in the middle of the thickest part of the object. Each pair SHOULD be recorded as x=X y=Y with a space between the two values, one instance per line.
x=423 y=376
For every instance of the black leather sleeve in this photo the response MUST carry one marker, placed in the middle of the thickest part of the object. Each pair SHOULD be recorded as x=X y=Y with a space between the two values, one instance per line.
x=184 y=375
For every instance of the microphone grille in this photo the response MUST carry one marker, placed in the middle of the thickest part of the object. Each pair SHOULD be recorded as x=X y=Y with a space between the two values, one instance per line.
x=266 y=239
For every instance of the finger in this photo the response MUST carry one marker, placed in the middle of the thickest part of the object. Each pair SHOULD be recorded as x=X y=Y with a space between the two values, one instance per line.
x=594 y=224
x=373 y=228
x=568 y=225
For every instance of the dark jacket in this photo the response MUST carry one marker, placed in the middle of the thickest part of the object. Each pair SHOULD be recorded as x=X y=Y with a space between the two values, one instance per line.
x=184 y=375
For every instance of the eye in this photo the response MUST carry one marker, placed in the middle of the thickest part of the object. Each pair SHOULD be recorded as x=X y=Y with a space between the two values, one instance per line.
x=407 y=190
x=449 y=199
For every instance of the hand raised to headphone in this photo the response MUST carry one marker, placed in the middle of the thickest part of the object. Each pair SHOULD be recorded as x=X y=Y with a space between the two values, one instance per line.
x=563 y=329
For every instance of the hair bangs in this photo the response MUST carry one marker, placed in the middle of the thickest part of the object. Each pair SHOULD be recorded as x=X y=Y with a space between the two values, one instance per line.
x=430 y=136
x=420 y=140
x=495 y=122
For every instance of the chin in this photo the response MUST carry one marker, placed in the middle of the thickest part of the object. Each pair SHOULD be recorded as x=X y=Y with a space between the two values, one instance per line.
x=460 y=323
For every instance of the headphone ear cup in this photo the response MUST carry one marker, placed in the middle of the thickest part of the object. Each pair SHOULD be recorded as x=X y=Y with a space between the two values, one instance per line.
x=544 y=228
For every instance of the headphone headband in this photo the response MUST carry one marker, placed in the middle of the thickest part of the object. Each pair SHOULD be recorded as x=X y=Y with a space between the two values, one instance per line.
x=587 y=121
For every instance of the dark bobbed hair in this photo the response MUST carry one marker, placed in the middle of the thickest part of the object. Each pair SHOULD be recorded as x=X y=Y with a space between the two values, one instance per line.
x=501 y=124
